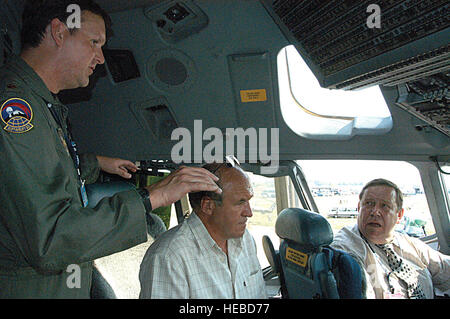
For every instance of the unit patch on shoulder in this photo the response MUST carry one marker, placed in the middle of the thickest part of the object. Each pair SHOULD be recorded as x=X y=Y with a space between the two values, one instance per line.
x=16 y=113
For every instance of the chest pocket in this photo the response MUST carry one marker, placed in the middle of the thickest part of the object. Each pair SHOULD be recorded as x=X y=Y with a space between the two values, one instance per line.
x=252 y=278
x=253 y=285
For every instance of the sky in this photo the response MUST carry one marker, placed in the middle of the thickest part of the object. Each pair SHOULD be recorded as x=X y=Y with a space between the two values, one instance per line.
x=401 y=173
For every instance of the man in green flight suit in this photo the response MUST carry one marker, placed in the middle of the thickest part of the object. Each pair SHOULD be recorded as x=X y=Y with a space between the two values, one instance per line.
x=46 y=229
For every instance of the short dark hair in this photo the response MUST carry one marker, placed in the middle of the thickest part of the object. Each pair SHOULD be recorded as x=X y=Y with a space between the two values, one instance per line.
x=195 y=199
x=38 y=14
x=385 y=182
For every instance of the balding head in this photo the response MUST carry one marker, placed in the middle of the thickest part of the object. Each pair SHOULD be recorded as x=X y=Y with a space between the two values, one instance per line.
x=225 y=216
x=224 y=173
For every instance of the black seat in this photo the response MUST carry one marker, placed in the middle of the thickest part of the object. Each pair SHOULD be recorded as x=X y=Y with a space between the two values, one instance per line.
x=273 y=256
x=100 y=288
x=98 y=191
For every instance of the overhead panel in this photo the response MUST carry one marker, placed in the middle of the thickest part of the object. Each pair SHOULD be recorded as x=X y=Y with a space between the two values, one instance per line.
x=355 y=44
x=428 y=99
x=252 y=87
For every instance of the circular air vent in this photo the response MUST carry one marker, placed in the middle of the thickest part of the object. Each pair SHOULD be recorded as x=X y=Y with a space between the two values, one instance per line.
x=170 y=70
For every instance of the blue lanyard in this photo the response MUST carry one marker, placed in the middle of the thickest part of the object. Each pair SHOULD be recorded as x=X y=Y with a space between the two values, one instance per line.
x=72 y=147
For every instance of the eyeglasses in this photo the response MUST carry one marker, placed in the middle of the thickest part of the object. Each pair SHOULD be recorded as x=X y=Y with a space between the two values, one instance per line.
x=230 y=161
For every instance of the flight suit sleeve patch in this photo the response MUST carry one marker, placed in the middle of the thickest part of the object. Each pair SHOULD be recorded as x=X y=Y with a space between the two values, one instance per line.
x=17 y=114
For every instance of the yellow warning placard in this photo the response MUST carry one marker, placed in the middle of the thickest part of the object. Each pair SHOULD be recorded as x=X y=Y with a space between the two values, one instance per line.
x=253 y=95
x=297 y=257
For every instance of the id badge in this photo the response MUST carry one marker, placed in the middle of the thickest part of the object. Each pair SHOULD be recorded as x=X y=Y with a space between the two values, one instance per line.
x=84 y=197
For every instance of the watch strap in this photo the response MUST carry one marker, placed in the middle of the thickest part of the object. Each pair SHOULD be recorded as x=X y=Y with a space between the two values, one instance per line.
x=145 y=195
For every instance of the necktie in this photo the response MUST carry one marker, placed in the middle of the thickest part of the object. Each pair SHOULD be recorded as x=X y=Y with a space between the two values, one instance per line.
x=404 y=272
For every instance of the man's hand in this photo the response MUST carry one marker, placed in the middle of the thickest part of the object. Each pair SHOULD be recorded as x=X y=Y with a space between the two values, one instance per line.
x=184 y=180
x=116 y=166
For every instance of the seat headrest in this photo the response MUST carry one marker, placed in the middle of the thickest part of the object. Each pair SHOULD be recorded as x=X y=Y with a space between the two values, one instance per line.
x=97 y=191
x=309 y=229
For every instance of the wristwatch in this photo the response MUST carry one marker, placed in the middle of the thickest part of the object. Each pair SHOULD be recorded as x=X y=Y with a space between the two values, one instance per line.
x=145 y=195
